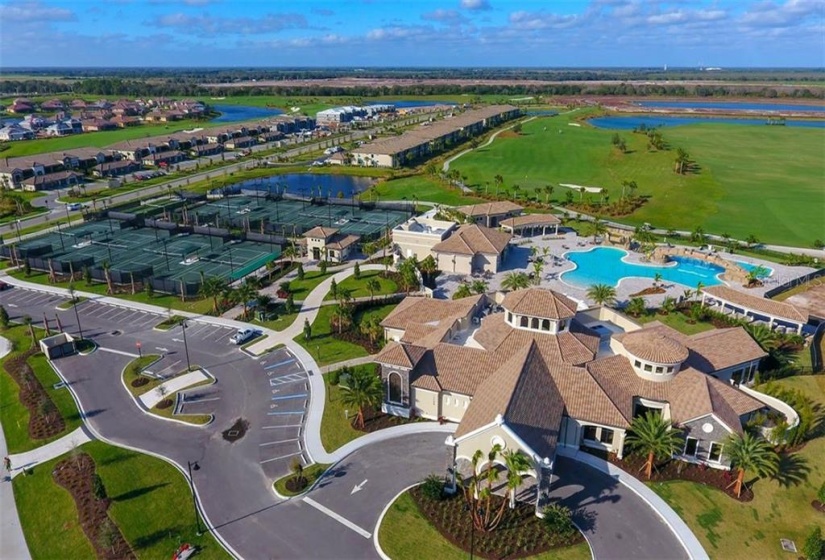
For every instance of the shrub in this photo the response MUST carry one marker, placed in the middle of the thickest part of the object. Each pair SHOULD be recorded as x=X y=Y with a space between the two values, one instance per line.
x=558 y=521
x=335 y=377
x=98 y=488
x=300 y=272
x=433 y=487
x=821 y=494
x=814 y=547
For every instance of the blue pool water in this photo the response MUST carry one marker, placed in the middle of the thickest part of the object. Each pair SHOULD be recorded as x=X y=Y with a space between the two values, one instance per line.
x=749 y=267
x=631 y=122
x=731 y=106
x=238 y=113
x=604 y=265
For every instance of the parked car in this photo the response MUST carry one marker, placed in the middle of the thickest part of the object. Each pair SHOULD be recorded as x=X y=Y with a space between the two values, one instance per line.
x=242 y=336
x=75 y=206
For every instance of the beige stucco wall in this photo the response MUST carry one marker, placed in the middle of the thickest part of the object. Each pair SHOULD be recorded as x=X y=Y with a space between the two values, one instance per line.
x=487 y=263
x=373 y=160
x=425 y=403
x=393 y=334
x=463 y=263
x=315 y=242
x=483 y=440
x=573 y=430
x=454 y=405
x=602 y=313
x=418 y=244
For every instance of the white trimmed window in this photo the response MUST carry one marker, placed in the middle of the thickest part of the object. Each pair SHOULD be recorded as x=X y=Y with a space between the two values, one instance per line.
x=715 y=453
x=691 y=445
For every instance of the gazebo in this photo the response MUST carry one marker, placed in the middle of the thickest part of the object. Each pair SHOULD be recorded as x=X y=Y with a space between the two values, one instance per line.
x=776 y=312
x=531 y=222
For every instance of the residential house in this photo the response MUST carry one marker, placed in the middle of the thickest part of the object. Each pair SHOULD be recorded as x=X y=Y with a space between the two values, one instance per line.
x=116 y=168
x=14 y=132
x=56 y=180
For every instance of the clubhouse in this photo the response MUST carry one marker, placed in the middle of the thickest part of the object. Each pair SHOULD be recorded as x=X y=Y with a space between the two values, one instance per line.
x=538 y=373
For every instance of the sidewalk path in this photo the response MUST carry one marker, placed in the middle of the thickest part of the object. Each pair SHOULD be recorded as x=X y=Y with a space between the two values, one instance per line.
x=49 y=451
x=12 y=542
x=686 y=537
x=346 y=363
x=150 y=398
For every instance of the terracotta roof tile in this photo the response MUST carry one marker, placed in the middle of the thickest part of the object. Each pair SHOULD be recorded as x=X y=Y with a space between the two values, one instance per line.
x=321 y=232
x=538 y=302
x=490 y=208
x=758 y=304
x=647 y=344
x=472 y=239
x=528 y=220
x=428 y=311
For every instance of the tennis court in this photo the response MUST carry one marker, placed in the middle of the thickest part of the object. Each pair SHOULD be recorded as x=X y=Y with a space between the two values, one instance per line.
x=288 y=217
x=174 y=261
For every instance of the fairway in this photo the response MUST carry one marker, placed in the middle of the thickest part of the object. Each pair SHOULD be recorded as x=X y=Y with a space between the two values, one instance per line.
x=765 y=181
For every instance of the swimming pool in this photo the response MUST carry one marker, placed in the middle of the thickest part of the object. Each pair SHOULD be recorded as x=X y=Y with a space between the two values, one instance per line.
x=605 y=265
x=766 y=271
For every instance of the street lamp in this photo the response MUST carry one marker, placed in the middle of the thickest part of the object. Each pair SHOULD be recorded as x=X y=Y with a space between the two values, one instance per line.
x=185 y=346
x=194 y=466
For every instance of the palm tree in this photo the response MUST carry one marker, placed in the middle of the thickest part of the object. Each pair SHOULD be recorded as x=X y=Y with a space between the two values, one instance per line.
x=263 y=301
x=657 y=278
x=245 y=293
x=362 y=390
x=749 y=452
x=515 y=190
x=668 y=305
x=548 y=192
x=517 y=464
x=373 y=285
x=213 y=287
x=499 y=181
x=636 y=306
x=108 y=275
x=599 y=229
x=682 y=160
x=763 y=335
x=602 y=294
x=479 y=286
x=28 y=322
x=515 y=281
x=462 y=291
x=428 y=266
x=538 y=266
x=651 y=434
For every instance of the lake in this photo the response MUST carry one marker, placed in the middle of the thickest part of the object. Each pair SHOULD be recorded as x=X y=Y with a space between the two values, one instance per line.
x=308 y=184
x=731 y=106
x=631 y=122
x=402 y=104
x=238 y=113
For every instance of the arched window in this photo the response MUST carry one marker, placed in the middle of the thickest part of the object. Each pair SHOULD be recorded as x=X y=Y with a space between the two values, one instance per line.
x=534 y=323
x=395 y=387
x=545 y=324
x=524 y=321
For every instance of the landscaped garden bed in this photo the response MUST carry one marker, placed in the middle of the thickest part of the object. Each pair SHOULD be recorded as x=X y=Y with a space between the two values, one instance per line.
x=294 y=484
x=170 y=323
x=520 y=534
x=45 y=420
x=78 y=476
x=135 y=381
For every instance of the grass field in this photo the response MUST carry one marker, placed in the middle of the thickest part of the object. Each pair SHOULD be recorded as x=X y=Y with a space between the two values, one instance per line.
x=404 y=533
x=729 y=529
x=424 y=188
x=676 y=321
x=311 y=473
x=336 y=424
x=358 y=288
x=765 y=181
x=13 y=415
x=151 y=505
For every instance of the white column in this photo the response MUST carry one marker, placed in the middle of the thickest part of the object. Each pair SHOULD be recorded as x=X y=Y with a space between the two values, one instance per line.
x=770 y=324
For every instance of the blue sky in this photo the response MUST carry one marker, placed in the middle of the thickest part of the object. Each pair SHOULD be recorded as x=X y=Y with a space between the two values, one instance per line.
x=361 y=33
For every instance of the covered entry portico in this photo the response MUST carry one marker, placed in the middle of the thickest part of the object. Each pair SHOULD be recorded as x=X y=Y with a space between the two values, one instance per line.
x=531 y=224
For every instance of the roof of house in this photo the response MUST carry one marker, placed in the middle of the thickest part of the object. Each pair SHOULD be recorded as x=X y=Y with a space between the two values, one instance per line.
x=401 y=355
x=428 y=311
x=653 y=346
x=758 y=304
x=530 y=220
x=321 y=232
x=341 y=242
x=490 y=208
x=538 y=302
x=472 y=239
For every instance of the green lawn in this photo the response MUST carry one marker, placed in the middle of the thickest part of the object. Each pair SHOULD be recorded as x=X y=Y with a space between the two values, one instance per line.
x=132 y=372
x=336 y=424
x=761 y=180
x=200 y=306
x=328 y=350
x=301 y=288
x=424 y=188
x=311 y=473
x=13 y=415
x=405 y=533
x=151 y=505
x=729 y=529
x=676 y=320
x=282 y=321
x=358 y=288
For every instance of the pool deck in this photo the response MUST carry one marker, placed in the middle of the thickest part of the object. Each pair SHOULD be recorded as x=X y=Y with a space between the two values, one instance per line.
x=517 y=260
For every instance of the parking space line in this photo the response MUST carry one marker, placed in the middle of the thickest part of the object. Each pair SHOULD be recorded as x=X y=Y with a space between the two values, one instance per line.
x=342 y=520
x=298 y=412
x=285 y=362
x=277 y=442
x=281 y=457
x=195 y=400
x=279 y=427
x=289 y=397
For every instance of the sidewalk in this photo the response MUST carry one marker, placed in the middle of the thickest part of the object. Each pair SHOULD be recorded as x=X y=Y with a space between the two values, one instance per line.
x=689 y=541
x=12 y=542
x=49 y=451
x=346 y=363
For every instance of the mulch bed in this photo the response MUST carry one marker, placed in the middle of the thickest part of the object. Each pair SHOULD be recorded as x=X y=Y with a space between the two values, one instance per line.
x=76 y=475
x=649 y=291
x=376 y=420
x=140 y=381
x=520 y=533
x=679 y=470
x=236 y=431
x=296 y=485
x=45 y=420
x=165 y=403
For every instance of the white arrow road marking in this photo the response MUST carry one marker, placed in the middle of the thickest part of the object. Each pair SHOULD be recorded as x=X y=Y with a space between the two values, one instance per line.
x=177 y=340
x=12 y=304
x=161 y=349
x=358 y=487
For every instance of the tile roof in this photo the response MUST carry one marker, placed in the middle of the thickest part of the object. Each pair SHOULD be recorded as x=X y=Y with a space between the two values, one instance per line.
x=490 y=208
x=529 y=220
x=401 y=355
x=428 y=311
x=650 y=345
x=321 y=232
x=472 y=239
x=538 y=302
x=342 y=241
x=757 y=304
x=460 y=369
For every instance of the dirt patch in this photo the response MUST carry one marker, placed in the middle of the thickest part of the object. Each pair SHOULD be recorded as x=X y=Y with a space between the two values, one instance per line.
x=236 y=431
x=508 y=134
x=520 y=533
x=165 y=403
x=140 y=382
x=818 y=506
x=45 y=420
x=649 y=291
x=77 y=476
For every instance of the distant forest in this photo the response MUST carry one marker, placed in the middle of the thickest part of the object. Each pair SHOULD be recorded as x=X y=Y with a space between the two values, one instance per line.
x=132 y=82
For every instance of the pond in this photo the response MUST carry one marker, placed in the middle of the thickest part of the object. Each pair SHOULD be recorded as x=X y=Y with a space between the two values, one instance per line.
x=731 y=106
x=631 y=122
x=411 y=104
x=238 y=113
x=308 y=184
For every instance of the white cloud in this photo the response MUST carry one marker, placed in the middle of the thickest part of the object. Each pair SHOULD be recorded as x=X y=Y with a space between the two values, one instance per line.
x=445 y=16
x=27 y=12
x=475 y=5
x=208 y=25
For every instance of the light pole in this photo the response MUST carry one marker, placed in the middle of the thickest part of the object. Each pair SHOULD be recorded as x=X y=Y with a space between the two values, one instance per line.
x=194 y=466
x=185 y=346
x=472 y=531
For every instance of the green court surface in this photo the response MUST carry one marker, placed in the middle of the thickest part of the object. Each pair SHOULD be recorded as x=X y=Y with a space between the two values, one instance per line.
x=293 y=217
x=144 y=252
